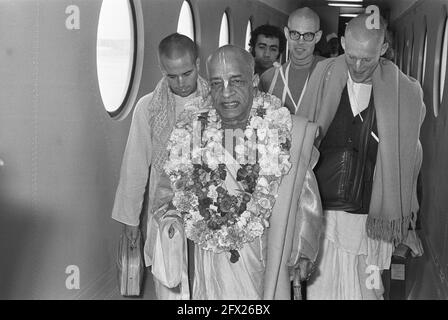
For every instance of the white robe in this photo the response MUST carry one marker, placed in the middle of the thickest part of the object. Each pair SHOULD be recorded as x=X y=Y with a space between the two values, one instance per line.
x=349 y=263
x=216 y=278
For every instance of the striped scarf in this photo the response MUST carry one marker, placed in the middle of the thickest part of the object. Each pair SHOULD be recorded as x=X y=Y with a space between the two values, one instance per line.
x=162 y=117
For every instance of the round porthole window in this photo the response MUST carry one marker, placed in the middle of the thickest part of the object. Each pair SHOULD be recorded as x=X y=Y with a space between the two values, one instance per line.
x=248 y=32
x=224 y=33
x=115 y=53
x=425 y=49
x=411 y=57
x=185 y=25
x=443 y=60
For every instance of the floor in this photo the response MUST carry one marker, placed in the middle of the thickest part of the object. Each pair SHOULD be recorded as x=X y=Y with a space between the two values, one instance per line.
x=421 y=282
x=148 y=290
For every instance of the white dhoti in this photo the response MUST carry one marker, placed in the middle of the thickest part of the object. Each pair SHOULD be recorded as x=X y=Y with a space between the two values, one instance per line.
x=349 y=263
x=217 y=278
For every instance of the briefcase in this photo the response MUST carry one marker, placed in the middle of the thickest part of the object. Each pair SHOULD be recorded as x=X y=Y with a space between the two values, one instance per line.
x=130 y=266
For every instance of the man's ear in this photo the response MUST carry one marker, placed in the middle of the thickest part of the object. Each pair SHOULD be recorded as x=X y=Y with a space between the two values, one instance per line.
x=343 y=42
x=384 y=48
x=318 y=36
x=286 y=31
x=255 y=80
x=198 y=63
x=162 y=70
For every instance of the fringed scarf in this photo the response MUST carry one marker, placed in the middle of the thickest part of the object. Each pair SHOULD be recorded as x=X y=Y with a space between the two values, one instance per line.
x=400 y=112
x=162 y=115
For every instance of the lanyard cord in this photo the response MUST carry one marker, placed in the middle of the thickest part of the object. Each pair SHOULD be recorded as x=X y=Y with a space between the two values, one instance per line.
x=286 y=88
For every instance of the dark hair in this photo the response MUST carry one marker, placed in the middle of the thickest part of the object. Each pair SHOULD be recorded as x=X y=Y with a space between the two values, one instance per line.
x=269 y=32
x=175 y=44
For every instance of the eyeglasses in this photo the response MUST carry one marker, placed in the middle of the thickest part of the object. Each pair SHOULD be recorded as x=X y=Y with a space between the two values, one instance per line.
x=296 y=35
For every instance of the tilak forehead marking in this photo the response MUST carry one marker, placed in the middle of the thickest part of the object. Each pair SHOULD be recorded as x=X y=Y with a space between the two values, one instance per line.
x=226 y=67
x=223 y=70
x=222 y=62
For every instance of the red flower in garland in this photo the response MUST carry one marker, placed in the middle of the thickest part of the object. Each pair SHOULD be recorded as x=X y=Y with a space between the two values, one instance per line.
x=226 y=204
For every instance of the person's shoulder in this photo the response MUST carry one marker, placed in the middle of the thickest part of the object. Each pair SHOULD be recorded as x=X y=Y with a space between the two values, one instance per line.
x=320 y=58
x=267 y=75
x=321 y=64
x=144 y=101
x=265 y=79
x=409 y=86
x=405 y=79
x=141 y=108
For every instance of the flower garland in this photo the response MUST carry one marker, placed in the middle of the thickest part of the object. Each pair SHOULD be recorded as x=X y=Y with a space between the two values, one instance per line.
x=214 y=218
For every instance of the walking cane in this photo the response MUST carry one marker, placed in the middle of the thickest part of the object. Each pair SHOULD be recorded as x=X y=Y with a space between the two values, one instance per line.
x=297 y=287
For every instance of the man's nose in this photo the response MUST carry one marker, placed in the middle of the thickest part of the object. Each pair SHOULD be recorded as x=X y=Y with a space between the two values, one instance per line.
x=180 y=81
x=358 y=64
x=266 y=53
x=227 y=91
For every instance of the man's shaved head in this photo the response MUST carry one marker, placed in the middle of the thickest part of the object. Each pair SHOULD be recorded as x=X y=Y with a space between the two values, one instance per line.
x=231 y=53
x=177 y=45
x=363 y=46
x=304 y=14
x=358 y=30
x=302 y=21
x=179 y=63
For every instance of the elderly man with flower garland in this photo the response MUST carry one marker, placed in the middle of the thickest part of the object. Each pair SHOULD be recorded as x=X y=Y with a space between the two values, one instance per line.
x=253 y=210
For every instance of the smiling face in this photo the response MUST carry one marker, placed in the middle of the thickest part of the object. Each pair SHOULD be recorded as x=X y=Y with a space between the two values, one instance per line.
x=181 y=73
x=231 y=89
x=301 y=49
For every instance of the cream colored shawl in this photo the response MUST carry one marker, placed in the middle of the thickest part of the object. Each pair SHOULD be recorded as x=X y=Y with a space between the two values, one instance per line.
x=295 y=224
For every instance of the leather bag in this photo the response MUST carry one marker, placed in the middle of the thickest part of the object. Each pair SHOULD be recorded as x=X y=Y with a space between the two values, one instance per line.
x=130 y=266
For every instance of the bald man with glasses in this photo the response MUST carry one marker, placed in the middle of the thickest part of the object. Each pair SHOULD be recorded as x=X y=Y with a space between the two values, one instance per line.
x=289 y=81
